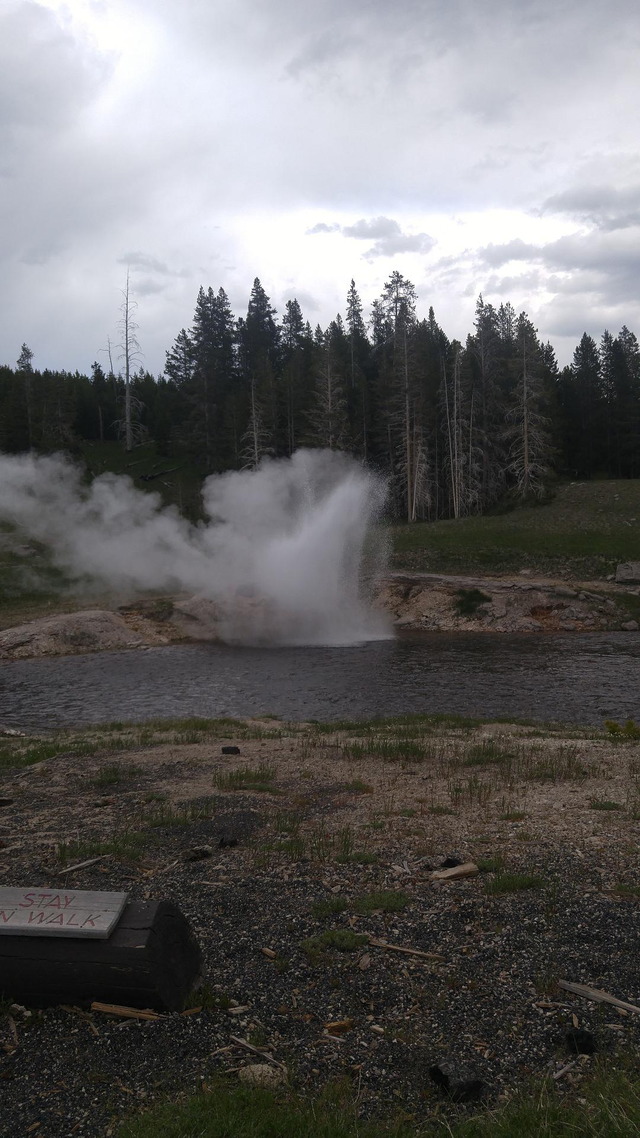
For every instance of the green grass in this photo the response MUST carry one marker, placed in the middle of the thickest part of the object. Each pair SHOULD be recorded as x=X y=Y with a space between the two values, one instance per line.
x=247 y=778
x=343 y=940
x=384 y=900
x=329 y=907
x=514 y=883
x=127 y=846
x=606 y=1104
x=582 y=532
x=605 y=804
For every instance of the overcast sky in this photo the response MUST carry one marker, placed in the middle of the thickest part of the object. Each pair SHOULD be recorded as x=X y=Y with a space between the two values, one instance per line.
x=475 y=147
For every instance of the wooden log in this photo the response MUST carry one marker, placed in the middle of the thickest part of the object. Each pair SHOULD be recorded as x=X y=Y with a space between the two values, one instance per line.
x=150 y=960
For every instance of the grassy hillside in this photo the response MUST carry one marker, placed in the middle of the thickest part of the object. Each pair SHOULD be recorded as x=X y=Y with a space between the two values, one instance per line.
x=583 y=532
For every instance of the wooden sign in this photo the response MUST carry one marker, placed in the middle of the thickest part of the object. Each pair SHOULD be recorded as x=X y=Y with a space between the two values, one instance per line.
x=59 y=912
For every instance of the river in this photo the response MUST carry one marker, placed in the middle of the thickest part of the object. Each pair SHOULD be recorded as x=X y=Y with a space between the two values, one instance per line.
x=569 y=678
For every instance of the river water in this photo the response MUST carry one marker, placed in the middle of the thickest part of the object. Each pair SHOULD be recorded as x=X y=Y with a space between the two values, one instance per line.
x=568 y=678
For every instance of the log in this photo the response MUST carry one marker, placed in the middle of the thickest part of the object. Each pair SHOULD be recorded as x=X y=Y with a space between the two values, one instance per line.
x=150 y=960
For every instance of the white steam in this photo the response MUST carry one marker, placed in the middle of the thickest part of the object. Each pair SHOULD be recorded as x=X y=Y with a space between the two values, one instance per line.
x=288 y=553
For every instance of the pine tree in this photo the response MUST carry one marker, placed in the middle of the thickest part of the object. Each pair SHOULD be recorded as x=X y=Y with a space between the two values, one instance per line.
x=328 y=422
x=24 y=367
x=528 y=432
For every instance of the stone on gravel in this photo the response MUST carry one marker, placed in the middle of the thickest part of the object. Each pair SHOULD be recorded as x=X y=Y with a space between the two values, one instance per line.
x=581 y=1042
x=458 y=1081
x=262 y=1075
x=629 y=626
x=230 y=750
x=628 y=573
x=197 y=853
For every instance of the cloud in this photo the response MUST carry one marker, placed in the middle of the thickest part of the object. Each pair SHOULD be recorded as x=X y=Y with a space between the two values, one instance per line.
x=386 y=234
x=322 y=227
x=147 y=263
x=375 y=227
x=606 y=207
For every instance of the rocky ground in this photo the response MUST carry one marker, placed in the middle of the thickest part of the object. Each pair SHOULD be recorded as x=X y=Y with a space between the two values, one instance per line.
x=310 y=832
x=415 y=601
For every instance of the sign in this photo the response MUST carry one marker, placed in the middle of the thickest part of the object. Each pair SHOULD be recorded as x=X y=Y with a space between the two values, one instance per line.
x=51 y=912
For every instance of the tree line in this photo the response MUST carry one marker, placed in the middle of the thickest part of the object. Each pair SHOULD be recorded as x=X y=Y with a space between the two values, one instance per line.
x=454 y=427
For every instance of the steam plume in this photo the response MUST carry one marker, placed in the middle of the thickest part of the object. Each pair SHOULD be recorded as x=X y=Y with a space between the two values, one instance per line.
x=287 y=553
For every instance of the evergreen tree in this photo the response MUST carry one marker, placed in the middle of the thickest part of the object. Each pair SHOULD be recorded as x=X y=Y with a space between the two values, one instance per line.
x=328 y=422
x=528 y=432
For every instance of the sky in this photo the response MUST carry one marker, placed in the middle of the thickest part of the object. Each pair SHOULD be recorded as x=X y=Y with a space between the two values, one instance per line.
x=475 y=148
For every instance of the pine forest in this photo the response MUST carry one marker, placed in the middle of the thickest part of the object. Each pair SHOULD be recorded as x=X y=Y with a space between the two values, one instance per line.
x=456 y=428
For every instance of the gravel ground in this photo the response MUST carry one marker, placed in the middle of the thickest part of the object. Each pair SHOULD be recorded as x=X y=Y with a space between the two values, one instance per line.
x=488 y=1003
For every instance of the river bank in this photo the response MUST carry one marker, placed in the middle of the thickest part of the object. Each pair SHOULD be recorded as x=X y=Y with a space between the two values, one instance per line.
x=419 y=602
x=312 y=838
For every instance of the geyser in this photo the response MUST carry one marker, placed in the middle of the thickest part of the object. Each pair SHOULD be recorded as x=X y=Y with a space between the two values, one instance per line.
x=289 y=553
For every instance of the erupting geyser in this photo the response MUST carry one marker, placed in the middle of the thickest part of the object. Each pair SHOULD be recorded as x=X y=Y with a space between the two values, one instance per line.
x=289 y=553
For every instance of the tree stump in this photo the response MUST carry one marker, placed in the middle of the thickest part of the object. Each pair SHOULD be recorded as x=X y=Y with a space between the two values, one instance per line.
x=150 y=960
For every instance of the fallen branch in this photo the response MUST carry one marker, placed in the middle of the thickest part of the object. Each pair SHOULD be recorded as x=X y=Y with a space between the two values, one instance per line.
x=567 y=1067
x=124 y=1012
x=256 y=1051
x=408 y=951
x=597 y=996
x=80 y=865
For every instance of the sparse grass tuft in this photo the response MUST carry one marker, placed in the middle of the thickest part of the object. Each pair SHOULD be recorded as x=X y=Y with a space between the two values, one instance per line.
x=127 y=846
x=343 y=940
x=514 y=883
x=604 y=804
x=383 y=900
x=247 y=778
x=328 y=907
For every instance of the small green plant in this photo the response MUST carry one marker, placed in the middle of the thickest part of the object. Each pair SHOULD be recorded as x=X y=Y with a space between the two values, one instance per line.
x=114 y=773
x=357 y=786
x=247 y=778
x=513 y=883
x=490 y=864
x=384 y=900
x=437 y=808
x=208 y=998
x=604 y=804
x=487 y=753
x=628 y=730
x=343 y=940
x=468 y=601
x=328 y=907
x=512 y=816
x=629 y=891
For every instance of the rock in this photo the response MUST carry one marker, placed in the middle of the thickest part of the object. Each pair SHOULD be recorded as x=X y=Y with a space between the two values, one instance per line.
x=197 y=853
x=230 y=750
x=467 y=869
x=526 y=572
x=564 y=591
x=262 y=1075
x=6 y=801
x=629 y=626
x=450 y=863
x=581 y=1042
x=90 y=631
x=227 y=842
x=458 y=1081
x=628 y=573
